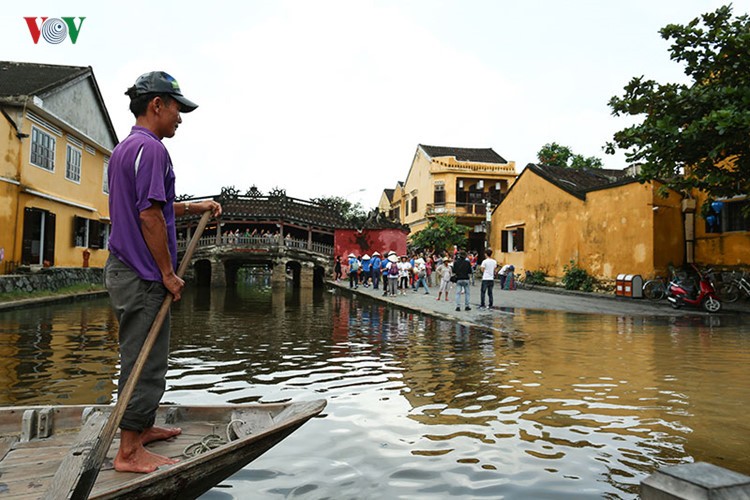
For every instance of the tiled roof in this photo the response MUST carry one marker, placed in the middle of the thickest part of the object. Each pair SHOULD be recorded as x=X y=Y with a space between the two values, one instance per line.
x=389 y=193
x=22 y=79
x=579 y=181
x=484 y=155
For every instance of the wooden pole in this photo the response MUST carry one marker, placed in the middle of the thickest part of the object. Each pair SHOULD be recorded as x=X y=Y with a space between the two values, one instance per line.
x=78 y=472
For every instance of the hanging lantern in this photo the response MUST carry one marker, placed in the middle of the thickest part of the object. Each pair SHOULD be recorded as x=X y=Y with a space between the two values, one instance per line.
x=711 y=219
x=717 y=206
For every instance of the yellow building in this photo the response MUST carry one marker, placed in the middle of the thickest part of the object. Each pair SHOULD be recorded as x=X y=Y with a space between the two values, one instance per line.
x=452 y=181
x=604 y=220
x=723 y=240
x=56 y=137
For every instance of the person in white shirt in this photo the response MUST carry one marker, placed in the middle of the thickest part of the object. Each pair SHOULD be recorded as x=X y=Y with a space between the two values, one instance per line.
x=443 y=272
x=404 y=270
x=420 y=270
x=488 y=268
x=503 y=274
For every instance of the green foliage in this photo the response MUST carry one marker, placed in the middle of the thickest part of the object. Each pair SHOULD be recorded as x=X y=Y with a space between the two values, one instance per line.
x=689 y=130
x=557 y=155
x=580 y=162
x=442 y=233
x=536 y=277
x=351 y=212
x=554 y=154
x=575 y=278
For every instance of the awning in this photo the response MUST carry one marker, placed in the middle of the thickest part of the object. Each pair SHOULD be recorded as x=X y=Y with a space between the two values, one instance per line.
x=514 y=225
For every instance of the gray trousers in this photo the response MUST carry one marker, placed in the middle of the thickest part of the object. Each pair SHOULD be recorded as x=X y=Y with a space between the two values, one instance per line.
x=136 y=303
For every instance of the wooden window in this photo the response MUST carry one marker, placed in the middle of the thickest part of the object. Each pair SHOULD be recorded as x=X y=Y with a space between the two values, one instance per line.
x=512 y=240
x=439 y=194
x=80 y=232
x=105 y=177
x=42 y=149
x=73 y=164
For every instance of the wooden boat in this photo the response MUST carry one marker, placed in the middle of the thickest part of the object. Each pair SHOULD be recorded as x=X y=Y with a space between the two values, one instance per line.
x=34 y=440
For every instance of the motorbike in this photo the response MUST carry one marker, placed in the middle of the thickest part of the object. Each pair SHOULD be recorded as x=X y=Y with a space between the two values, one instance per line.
x=680 y=293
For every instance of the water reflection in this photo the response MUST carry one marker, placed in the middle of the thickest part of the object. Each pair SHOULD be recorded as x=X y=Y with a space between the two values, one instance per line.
x=65 y=354
x=531 y=405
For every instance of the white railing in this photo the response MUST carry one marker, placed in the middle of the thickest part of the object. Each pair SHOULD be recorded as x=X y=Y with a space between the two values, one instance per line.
x=271 y=241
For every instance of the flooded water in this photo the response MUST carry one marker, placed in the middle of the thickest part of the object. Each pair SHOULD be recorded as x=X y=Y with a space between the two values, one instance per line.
x=535 y=405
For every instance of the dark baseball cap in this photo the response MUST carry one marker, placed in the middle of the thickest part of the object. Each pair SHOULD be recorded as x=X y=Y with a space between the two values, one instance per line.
x=159 y=82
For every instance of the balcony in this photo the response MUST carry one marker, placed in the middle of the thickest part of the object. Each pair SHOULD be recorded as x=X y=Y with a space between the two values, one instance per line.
x=470 y=210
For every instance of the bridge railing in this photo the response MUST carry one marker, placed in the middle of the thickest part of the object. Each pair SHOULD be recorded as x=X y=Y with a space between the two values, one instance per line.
x=268 y=241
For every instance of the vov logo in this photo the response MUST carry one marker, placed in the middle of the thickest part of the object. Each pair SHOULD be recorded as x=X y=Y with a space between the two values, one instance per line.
x=54 y=29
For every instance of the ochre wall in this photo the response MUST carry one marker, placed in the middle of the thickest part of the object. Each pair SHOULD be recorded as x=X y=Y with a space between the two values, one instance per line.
x=623 y=234
x=9 y=151
x=552 y=225
x=613 y=231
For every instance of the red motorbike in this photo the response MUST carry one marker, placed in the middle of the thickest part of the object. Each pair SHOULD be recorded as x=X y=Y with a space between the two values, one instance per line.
x=685 y=292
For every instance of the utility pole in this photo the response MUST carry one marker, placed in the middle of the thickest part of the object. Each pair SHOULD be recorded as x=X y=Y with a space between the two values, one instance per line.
x=488 y=223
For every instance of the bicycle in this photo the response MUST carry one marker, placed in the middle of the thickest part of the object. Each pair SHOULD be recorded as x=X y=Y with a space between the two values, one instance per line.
x=655 y=289
x=524 y=282
x=730 y=291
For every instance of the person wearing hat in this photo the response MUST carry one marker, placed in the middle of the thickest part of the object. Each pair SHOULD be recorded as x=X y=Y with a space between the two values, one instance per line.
x=404 y=272
x=366 y=270
x=375 y=265
x=140 y=270
x=392 y=271
x=353 y=271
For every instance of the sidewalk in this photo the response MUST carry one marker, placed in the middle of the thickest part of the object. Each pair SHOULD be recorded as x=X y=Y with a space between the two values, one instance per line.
x=49 y=299
x=540 y=298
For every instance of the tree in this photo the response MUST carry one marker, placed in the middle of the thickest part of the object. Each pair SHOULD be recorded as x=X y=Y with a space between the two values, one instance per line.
x=694 y=135
x=557 y=155
x=442 y=233
x=351 y=212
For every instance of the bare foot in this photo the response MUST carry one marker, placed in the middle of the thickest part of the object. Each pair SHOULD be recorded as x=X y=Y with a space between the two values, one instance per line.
x=159 y=433
x=140 y=460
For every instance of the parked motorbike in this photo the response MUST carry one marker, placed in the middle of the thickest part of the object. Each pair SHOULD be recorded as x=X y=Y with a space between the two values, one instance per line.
x=680 y=293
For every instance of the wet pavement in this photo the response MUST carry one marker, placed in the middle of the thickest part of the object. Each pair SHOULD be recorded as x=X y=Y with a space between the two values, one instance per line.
x=539 y=298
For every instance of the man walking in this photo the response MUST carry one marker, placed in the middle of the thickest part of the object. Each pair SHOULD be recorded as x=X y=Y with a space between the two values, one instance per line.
x=462 y=270
x=488 y=268
x=141 y=267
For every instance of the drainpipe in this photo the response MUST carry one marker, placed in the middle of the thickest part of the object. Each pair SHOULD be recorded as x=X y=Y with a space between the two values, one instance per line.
x=16 y=257
x=688 y=214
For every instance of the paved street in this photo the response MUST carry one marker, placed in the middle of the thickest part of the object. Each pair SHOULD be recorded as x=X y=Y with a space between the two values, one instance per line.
x=543 y=298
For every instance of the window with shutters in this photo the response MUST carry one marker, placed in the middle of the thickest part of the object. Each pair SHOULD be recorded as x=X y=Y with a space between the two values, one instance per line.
x=512 y=240
x=73 y=164
x=105 y=177
x=42 y=149
x=80 y=232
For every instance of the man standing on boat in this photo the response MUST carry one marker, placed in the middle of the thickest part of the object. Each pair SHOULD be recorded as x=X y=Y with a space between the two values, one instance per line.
x=141 y=267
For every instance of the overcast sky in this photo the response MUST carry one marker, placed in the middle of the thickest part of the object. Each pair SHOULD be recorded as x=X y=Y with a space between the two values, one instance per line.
x=332 y=97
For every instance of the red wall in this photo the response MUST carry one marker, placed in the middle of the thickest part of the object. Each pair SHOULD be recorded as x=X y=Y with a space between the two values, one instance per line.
x=346 y=241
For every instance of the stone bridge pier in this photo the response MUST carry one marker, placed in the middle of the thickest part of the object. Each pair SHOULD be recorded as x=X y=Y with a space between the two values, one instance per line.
x=218 y=266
